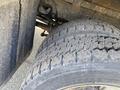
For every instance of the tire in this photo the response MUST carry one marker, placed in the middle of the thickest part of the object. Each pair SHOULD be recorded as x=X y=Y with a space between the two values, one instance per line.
x=17 y=23
x=82 y=52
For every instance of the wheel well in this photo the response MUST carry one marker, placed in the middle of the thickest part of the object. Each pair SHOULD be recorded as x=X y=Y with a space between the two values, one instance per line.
x=57 y=12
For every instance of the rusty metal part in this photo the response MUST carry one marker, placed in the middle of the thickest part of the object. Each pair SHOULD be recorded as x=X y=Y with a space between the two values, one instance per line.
x=109 y=4
x=103 y=10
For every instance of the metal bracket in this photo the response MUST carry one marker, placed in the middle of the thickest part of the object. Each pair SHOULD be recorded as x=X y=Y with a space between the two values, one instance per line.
x=47 y=18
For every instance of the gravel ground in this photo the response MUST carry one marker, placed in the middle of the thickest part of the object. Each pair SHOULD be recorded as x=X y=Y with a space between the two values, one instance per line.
x=15 y=82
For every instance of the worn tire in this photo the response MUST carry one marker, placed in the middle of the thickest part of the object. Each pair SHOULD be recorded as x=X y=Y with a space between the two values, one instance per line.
x=82 y=52
x=17 y=23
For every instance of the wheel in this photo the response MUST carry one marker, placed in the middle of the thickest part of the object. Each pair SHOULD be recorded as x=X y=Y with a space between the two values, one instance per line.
x=80 y=53
x=17 y=22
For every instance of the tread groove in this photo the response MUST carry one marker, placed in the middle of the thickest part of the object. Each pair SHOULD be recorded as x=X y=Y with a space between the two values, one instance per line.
x=70 y=45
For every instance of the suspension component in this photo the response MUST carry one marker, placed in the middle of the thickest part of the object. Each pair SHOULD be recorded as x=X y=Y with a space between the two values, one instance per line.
x=46 y=18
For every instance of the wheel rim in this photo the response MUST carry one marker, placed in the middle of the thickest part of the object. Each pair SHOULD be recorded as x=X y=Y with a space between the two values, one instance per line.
x=90 y=87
